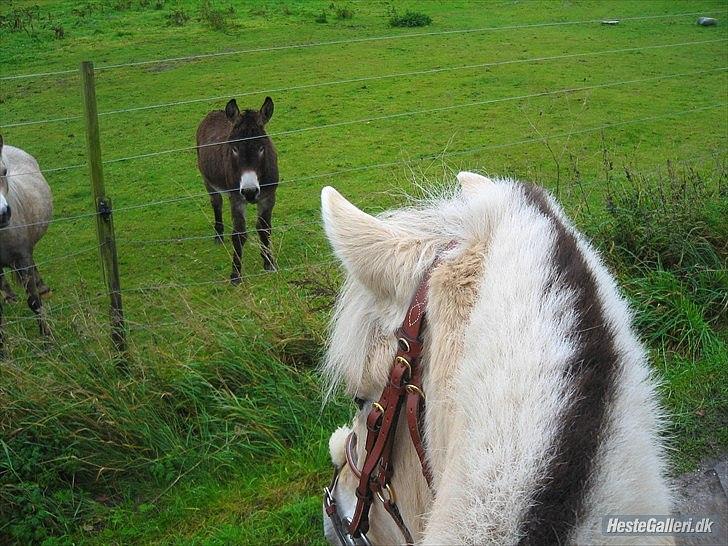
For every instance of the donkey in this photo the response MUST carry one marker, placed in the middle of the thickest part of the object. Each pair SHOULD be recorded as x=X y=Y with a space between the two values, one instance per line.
x=540 y=417
x=26 y=208
x=236 y=156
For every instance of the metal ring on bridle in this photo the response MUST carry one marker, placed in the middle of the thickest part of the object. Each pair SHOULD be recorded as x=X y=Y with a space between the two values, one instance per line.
x=390 y=494
x=414 y=389
x=402 y=360
x=404 y=344
x=378 y=406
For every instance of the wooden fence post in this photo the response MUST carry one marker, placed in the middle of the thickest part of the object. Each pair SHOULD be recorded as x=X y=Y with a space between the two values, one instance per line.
x=102 y=205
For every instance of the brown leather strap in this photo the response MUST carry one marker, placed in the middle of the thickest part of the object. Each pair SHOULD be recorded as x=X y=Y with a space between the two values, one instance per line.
x=404 y=387
x=393 y=510
x=415 y=413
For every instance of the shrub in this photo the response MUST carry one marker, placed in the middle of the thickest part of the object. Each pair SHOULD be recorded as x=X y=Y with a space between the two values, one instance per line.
x=409 y=19
x=321 y=17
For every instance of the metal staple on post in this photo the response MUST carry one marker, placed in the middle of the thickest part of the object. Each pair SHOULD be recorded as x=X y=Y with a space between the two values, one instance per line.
x=103 y=208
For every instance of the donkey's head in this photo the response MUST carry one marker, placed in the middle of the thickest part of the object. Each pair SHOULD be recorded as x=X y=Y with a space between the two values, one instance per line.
x=385 y=258
x=4 y=206
x=248 y=144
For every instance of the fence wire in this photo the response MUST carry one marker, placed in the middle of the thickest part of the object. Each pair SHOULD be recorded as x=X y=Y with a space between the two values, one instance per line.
x=351 y=41
x=315 y=85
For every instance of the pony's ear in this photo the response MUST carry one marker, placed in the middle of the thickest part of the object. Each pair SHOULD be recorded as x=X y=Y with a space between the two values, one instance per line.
x=370 y=249
x=473 y=184
x=1 y=142
x=266 y=111
x=231 y=110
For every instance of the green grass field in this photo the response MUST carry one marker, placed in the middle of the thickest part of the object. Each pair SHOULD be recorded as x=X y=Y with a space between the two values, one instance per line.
x=214 y=433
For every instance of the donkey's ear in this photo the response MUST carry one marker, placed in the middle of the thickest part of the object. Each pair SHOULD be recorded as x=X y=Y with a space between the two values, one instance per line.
x=266 y=111
x=473 y=184
x=378 y=254
x=231 y=110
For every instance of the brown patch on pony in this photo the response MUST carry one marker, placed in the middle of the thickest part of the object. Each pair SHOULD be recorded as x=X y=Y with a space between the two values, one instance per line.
x=454 y=290
x=557 y=506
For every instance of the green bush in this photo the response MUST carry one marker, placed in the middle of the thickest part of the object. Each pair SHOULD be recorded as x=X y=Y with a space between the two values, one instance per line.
x=342 y=12
x=409 y=19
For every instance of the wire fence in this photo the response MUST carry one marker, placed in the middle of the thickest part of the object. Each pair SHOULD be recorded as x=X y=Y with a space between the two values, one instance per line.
x=316 y=85
x=161 y=202
x=89 y=301
x=349 y=41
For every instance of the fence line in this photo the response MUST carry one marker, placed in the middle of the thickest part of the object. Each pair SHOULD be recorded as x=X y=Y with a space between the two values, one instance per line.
x=390 y=164
x=159 y=287
x=390 y=116
x=418 y=112
x=55 y=259
x=172 y=285
x=317 y=222
x=354 y=41
x=366 y=79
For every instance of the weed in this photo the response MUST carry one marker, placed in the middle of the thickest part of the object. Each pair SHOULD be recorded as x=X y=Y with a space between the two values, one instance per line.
x=177 y=17
x=21 y=19
x=122 y=5
x=408 y=18
x=342 y=12
x=321 y=17
x=216 y=18
x=674 y=223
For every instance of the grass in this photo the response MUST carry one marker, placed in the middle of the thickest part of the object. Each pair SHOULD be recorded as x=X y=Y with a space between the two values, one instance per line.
x=215 y=432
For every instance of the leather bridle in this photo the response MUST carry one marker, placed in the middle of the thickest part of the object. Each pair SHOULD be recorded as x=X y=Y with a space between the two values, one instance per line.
x=404 y=389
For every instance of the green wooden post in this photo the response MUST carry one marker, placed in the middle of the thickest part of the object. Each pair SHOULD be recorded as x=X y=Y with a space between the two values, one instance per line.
x=102 y=204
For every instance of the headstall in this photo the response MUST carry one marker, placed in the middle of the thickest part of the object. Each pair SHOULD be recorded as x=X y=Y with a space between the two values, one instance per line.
x=404 y=389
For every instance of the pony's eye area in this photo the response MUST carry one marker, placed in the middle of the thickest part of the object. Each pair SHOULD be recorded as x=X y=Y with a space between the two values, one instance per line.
x=360 y=403
x=261 y=150
x=235 y=151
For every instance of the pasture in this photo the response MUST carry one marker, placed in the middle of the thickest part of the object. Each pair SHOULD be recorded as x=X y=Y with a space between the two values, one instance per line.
x=213 y=429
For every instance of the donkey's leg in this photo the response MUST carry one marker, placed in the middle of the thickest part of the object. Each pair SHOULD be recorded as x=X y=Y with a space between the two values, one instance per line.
x=6 y=289
x=216 y=202
x=26 y=272
x=237 y=207
x=265 y=211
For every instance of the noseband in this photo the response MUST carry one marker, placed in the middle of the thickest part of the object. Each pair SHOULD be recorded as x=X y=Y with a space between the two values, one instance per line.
x=404 y=389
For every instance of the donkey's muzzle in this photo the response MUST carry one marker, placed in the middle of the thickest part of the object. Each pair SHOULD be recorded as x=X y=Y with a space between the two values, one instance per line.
x=251 y=195
x=5 y=217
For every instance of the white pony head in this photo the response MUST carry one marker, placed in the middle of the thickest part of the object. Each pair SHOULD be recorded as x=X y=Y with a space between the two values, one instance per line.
x=540 y=412
x=385 y=257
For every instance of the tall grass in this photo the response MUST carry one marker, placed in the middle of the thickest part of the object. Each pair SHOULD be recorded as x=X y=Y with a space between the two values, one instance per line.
x=77 y=431
x=666 y=235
